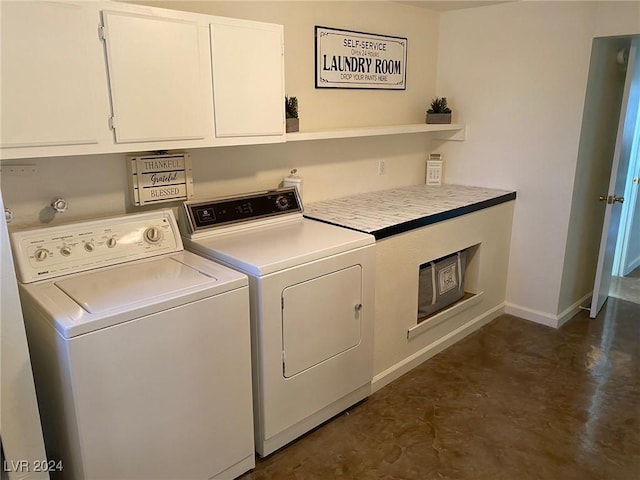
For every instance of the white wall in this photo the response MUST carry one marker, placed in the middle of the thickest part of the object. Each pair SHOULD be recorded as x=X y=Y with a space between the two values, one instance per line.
x=96 y=185
x=516 y=74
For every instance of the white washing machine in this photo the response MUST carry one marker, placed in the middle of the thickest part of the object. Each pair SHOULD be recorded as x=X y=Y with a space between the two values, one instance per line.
x=312 y=305
x=140 y=351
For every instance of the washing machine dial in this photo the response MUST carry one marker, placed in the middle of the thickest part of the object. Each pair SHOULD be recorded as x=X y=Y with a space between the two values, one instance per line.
x=152 y=235
x=111 y=242
x=282 y=202
x=40 y=254
x=89 y=246
x=65 y=251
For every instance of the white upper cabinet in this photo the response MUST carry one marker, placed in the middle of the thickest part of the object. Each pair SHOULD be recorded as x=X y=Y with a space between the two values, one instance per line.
x=48 y=82
x=88 y=77
x=248 y=78
x=155 y=77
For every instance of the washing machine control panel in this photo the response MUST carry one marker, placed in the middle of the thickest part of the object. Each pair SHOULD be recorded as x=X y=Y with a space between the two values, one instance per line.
x=232 y=210
x=50 y=252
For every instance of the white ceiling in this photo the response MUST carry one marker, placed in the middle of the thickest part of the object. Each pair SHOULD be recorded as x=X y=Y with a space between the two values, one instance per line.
x=444 y=5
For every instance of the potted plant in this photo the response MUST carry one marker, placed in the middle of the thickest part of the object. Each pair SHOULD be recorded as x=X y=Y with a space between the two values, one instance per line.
x=291 y=110
x=439 y=111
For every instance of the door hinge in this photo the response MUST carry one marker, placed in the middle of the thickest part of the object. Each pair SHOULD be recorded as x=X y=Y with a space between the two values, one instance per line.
x=102 y=33
x=112 y=123
x=636 y=180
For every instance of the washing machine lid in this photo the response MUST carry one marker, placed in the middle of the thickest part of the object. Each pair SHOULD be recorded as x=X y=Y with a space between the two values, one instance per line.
x=104 y=290
x=271 y=248
x=89 y=301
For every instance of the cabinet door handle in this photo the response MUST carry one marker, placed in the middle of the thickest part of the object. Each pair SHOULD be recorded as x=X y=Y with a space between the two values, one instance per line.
x=358 y=307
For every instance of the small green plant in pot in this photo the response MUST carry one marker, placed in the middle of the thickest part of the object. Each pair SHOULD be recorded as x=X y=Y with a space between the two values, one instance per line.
x=439 y=112
x=291 y=111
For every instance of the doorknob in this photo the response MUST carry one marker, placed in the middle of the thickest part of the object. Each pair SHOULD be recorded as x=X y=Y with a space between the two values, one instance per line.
x=611 y=199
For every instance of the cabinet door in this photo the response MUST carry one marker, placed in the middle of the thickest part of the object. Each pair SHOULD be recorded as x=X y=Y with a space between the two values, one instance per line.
x=154 y=76
x=48 y=91
x=248 y=78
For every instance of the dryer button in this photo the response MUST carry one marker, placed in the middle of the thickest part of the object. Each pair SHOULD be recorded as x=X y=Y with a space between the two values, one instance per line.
x=282 y=202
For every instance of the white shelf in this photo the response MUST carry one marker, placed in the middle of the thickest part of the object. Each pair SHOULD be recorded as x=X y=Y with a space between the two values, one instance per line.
x=450 y=131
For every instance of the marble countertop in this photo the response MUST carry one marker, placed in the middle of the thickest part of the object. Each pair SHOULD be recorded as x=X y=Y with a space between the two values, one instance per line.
x=389 y=212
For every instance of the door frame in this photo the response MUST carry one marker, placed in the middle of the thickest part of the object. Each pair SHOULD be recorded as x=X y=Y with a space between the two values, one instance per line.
x=618 y=177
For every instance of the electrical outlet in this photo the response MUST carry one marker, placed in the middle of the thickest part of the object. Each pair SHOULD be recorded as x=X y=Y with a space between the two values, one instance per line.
x=381 y=167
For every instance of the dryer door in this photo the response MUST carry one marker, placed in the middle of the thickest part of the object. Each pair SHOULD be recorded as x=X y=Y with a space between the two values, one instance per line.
x=321 y=318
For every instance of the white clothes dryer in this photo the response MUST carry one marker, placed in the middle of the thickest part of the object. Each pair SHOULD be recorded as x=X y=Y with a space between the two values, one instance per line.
x=312 y=304
x=140 y=351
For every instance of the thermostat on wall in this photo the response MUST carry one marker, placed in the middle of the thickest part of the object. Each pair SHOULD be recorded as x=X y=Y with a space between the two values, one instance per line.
x=160 y=178
x=434 y=169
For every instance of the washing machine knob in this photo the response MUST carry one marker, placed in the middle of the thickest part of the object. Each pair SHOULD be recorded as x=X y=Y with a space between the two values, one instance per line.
x=111 y=242
x=89 y=246
x=41 y=254
x=152 y=235
x=65 y=251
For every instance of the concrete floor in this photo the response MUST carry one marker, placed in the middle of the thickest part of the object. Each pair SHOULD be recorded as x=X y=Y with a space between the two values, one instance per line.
x=627 y=287
x=514 y=400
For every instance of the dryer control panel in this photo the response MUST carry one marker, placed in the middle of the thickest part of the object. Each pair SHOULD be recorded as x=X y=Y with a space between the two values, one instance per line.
x=232 y=210
x=50 y=252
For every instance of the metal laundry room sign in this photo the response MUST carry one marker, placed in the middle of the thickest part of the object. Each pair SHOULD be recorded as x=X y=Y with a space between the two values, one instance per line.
x=349 y=59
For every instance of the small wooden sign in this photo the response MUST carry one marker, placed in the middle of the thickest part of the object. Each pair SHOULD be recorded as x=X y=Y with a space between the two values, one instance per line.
x=347 y=59
x=160 y=178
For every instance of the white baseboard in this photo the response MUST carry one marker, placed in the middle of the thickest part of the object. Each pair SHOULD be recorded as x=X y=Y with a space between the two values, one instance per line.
x=390 y=374
x=567 y=314
x=544 y=318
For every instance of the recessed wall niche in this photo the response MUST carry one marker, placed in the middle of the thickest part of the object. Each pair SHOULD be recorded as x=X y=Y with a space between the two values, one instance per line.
x=446 y=286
